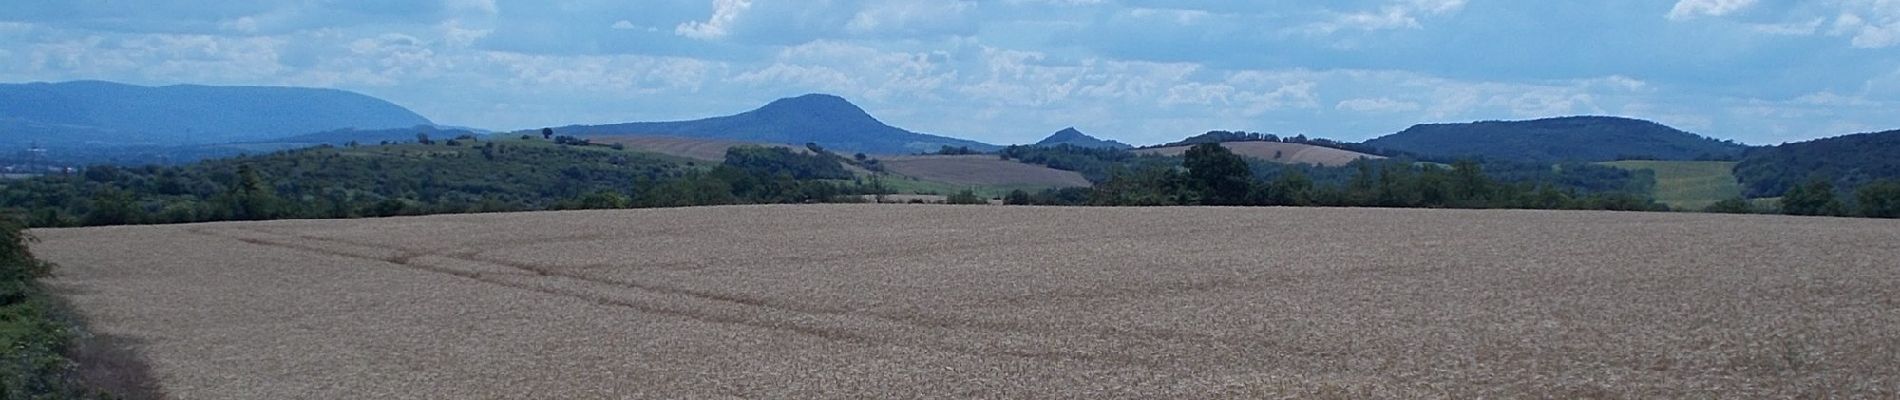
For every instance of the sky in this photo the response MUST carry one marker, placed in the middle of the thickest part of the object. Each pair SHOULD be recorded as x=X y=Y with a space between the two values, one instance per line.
x=1013 y=71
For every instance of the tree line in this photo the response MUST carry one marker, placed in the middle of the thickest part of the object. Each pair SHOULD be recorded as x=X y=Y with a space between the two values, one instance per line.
x=1210 y=174
x=417 y=179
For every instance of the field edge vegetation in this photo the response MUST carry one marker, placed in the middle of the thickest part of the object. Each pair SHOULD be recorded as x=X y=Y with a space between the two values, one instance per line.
x=45 y=352
x=477 y=175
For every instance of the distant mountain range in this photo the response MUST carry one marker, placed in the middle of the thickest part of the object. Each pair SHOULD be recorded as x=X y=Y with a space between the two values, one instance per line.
x=104 y=122
x=84 y=112
x=1071 y=136
x=1558 y=139
x=827 y=120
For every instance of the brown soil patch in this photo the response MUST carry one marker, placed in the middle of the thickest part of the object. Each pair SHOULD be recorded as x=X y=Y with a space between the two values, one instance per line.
x=870 y=301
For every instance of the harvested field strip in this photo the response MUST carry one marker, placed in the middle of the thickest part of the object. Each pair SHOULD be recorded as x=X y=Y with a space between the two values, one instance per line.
x=699 y=149
x=1012 y=302
x=985 y=170
x=656 y=299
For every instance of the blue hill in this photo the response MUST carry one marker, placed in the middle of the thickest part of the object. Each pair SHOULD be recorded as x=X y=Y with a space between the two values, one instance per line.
x=827 y=120
x=95 y=112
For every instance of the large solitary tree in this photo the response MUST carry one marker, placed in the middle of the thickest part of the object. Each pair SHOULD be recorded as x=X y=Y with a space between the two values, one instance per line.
x=1221 y=177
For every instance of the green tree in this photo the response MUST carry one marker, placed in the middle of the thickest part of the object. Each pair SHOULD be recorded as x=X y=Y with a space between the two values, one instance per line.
x=1291 y=188
x=249 y=198
x=32 y=339
x=1469 y=186
x=1147 y=186
x=1880 y=199
x=1813 y=198
x=1731 y=206
x=1017 y=197
x=17 y=265
x=966 y=196
x=1220 y=176
x=112 y=206
x=603 y=200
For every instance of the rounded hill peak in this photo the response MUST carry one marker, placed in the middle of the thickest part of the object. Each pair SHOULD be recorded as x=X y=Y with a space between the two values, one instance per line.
x=816 y=106
x=814 y=101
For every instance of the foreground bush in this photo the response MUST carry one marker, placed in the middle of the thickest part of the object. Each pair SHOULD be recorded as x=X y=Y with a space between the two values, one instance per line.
x=33 y=338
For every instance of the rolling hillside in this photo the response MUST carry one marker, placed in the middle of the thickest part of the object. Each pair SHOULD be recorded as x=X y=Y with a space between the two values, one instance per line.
x=1849 y=161
x=827 y=120
x=1557 y=139
x=698 y=149
x=1288 y=153
x=1689 y=185
x=113 y=113
x=982 y=170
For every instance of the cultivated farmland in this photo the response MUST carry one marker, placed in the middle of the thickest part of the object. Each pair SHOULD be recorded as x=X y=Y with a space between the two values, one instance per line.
x=699 y=149
x=1001 y=302
x=985 y=170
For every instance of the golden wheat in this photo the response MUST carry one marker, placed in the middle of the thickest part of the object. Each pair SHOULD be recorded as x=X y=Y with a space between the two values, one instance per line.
x=988 y=302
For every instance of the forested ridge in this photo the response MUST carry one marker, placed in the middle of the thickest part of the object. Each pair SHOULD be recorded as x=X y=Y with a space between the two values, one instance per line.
x=1847 y=162
x=447 y=176
x=467 y=174
x=1581 y=138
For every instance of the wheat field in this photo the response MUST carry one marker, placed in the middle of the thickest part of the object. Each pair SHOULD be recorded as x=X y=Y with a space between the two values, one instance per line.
x=893 y=301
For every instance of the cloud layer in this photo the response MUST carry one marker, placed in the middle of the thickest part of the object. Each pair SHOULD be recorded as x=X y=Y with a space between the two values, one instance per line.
x=1009 y=71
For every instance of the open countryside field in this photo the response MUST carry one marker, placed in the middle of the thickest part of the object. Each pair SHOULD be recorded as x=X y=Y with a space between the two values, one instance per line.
x=1290 y=153
x=1689 y=185
x=1001 y=302
x=984 y=170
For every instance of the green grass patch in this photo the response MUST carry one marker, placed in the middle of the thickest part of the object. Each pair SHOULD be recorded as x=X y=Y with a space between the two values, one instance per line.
x=1689 y=185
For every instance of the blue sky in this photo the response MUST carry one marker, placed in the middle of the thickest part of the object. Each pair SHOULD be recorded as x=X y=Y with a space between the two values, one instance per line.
x=1011 y=71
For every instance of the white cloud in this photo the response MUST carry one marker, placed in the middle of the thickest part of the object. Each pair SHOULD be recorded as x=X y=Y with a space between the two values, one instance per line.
x=1790 y=28
x=456 y=35
x=719 y=24
x=1690 y=9
x=1178 y=16
x=1617 y=82
x=481 y=6
x=1832 y=99
x=245 y=24
x=854 y=71
x=911 y=16
x=1872 y=25
x=992 y=70
x=1401 y=14
x=621 y=74
x=1868 y=24
x=1541 y=103
x=1377 y=105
